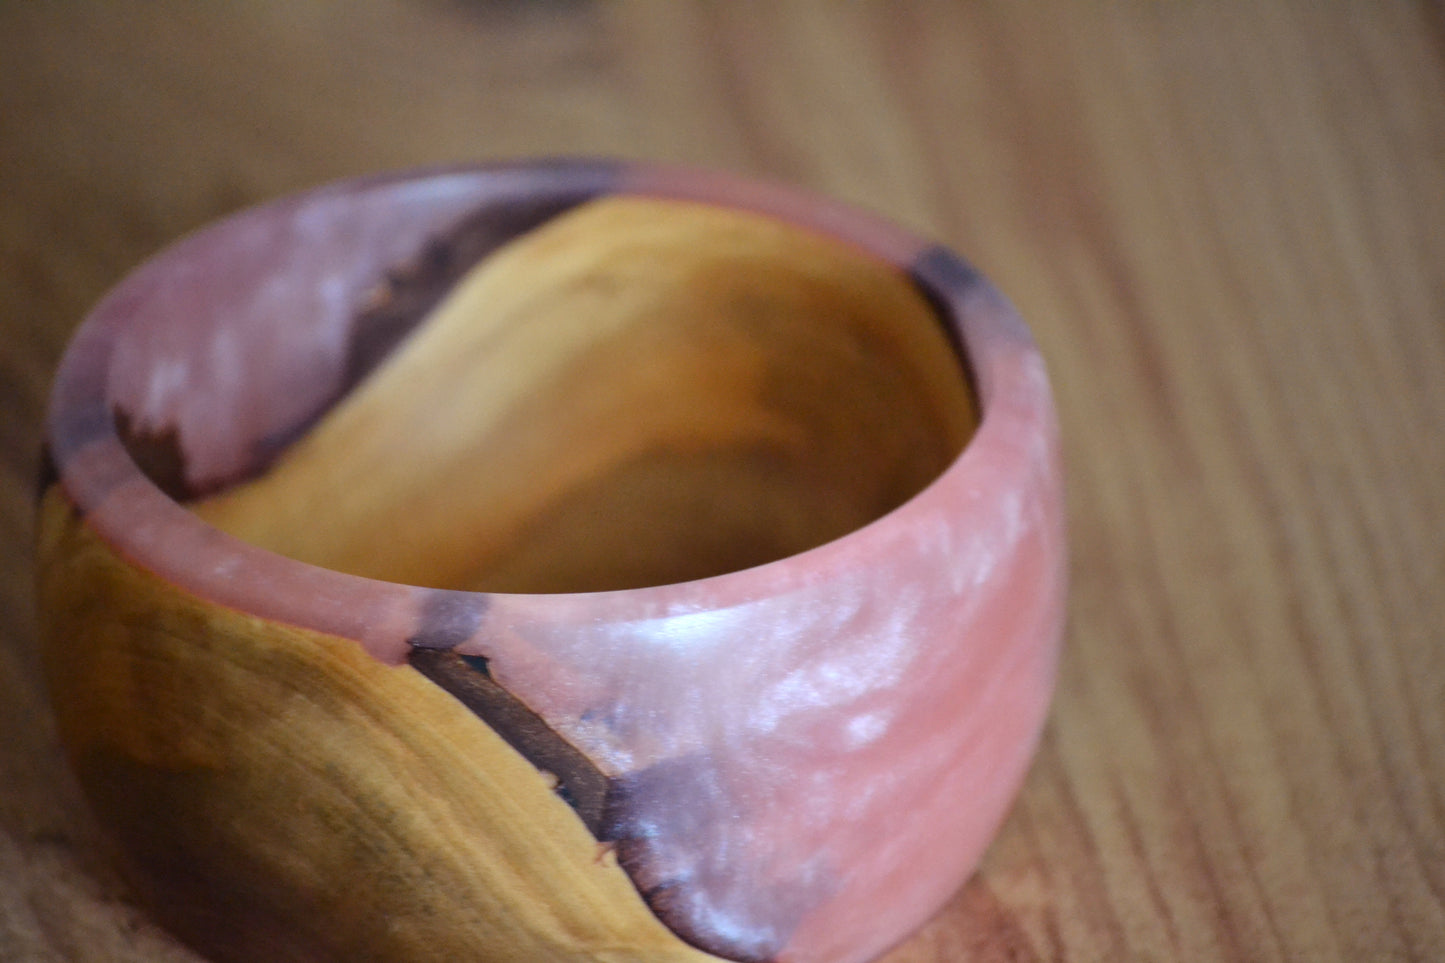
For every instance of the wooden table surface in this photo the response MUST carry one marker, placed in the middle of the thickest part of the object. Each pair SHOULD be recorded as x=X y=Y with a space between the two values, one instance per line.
x=1226 y=225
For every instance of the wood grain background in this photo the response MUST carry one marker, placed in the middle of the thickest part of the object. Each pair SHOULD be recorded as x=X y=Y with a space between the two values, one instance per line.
x=1226 y=224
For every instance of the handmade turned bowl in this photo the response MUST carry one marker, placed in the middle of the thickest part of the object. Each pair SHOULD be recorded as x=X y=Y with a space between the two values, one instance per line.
x=562 y=561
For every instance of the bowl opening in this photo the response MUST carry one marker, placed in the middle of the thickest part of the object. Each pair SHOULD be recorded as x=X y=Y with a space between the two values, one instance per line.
x=553 y=396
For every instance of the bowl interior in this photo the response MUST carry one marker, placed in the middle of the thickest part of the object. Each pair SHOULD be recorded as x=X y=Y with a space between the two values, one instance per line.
x=542 y=395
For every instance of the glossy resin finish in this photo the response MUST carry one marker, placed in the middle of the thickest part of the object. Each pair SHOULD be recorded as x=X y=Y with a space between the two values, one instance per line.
x=799 y=761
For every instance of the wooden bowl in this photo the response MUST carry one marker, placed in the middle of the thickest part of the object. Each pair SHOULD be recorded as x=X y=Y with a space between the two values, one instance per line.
x=567 y=561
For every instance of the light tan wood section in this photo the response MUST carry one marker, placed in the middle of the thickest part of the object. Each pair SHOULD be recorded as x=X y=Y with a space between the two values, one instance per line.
x=315 y=805
x=639 y=392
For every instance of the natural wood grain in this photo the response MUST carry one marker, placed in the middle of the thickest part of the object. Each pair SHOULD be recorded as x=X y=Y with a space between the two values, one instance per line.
x=640 y=392
x=1221 y=220
x=317 y=805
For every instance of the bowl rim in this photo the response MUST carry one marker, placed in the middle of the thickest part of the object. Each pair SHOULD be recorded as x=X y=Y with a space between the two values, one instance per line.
x=140 y=523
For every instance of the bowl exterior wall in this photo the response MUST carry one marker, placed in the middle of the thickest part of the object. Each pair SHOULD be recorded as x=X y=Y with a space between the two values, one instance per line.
x=802 y=761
